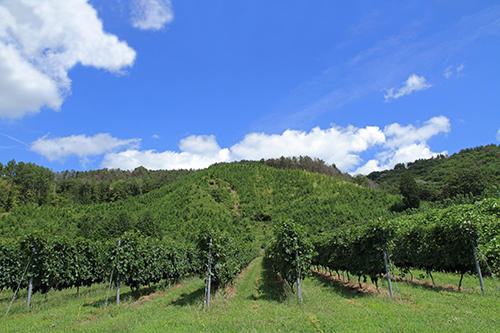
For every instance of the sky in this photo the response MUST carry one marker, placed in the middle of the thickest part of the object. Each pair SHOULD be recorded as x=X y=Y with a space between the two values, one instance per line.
x=170 y=84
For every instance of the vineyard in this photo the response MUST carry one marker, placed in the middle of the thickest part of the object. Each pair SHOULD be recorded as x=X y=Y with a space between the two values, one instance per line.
x=435 y=241
x=322 y=236
x=42 y=264
x=442 y=240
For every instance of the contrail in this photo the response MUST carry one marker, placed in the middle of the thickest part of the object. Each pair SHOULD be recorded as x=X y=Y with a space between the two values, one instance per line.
x=27 y=145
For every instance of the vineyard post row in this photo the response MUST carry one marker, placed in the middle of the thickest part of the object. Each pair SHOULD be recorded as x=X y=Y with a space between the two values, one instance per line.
x=59 y=263
x=443 y=240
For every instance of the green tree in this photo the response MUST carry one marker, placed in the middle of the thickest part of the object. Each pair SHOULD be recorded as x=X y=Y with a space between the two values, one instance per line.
x=465 y=181
x=409 y=190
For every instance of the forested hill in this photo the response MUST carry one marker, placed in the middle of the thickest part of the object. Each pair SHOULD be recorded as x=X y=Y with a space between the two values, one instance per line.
x=472 y=170
x=242 y=198
x=30 y=184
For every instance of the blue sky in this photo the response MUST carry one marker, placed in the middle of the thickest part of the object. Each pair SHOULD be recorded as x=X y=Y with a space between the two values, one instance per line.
x=184 y=84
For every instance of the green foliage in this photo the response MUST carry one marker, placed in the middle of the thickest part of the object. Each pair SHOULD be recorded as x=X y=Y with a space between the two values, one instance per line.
x=223 y=254
x=60 y=263
x=29 y=184
x=439 y=240
x=290 y=251
x=241 y=198
x=358 y=250
x=409 y=190
x=473 y=170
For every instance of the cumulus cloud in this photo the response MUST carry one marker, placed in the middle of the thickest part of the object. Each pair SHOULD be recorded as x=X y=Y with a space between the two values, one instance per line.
x=205 y=145
x=337 y=145
x=498 y=135
x=334 y=145
x=151 y=14
x=197 y=152
x=406 y=144
x=40 y=41
x=414 y=83
x=400 y=136
x=170 y=160
x=80 y=145
x=389 y=158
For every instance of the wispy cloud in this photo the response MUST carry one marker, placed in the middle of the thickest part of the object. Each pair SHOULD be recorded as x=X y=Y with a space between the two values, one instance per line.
x=12 y=138
x=498 y=135
x=448 y=73
x=40 y=41
x=414 y=83
x=151 y=14
x=380 y=66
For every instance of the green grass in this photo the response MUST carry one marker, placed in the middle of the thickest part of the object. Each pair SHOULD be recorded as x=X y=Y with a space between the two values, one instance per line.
x=259 y=302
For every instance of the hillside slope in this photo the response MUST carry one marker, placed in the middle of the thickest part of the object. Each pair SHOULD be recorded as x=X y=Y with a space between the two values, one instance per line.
x=240 y=197
x=471 y=170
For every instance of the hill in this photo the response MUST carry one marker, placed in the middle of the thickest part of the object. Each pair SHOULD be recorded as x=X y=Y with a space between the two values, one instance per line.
x=30 y=184
x=472 y=170
x=241 y=198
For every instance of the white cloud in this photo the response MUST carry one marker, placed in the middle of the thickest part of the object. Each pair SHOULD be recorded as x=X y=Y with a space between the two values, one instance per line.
x=204 y=145
x=80 y=145
x=341 y=146
x=335 y=145
x=23 y=89
x=370 y=166
x=498 y=135
x=154 y=160
x=40 y=41
x=151 y=14
x=404 y=154
x=414 y=83
x=406 y=144
x=406 y=135
x=197 y=152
